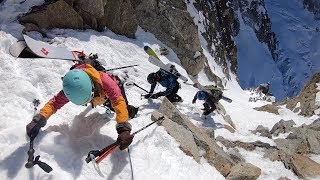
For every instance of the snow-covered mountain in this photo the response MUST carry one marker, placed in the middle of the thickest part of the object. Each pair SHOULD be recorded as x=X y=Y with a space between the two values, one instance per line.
x=288 y=53
x=264 y=135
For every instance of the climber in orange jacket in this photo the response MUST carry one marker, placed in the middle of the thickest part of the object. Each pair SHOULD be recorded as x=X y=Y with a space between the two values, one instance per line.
x=83 y=85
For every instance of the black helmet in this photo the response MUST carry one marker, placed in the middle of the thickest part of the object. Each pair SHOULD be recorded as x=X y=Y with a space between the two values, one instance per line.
x=152 y=78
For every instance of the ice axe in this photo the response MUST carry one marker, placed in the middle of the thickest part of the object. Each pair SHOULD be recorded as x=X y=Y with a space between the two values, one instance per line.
x=31 y=160
x=35 y=161
x=96 y=156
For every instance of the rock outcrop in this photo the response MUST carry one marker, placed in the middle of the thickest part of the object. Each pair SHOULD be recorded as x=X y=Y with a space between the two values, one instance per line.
x=304 y=104
x=197 y=143
x=293 y=150
x=313 y=6
x=115 y=15
x=172 y=24
x=244 y=171
x=220 y=25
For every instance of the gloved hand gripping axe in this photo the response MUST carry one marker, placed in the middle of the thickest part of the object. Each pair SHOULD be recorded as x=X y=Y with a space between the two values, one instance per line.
x=31 y=160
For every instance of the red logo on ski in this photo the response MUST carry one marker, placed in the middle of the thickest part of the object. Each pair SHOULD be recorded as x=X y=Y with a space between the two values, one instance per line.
x=44 y=51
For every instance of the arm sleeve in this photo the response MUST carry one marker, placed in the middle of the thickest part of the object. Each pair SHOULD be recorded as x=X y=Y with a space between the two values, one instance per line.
x=114 y=94
x=195 y=97
x=54 y=104
x=153 y=86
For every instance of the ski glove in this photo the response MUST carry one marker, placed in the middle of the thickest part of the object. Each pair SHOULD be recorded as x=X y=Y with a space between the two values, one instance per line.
x=155 y=96
x=34 y=126
x=147 y=96
x=206 y=113
x=124 y=136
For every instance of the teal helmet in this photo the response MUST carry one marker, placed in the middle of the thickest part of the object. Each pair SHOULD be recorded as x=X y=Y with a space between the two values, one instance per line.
x=78 y=87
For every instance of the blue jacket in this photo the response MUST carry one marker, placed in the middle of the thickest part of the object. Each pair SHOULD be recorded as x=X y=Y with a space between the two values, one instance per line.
x=167 y=80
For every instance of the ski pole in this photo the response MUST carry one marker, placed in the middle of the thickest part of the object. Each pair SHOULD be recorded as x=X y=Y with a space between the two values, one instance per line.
x=31 y=161
x=140 y=87
x=159 y=119
x=107 y=150
x=121 y=67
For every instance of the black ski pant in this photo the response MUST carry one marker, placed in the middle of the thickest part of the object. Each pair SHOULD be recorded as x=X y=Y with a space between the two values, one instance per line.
x=173 y=96
x=132 y=111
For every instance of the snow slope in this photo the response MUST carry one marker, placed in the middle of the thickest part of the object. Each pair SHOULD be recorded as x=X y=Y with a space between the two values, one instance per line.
x=75 y=130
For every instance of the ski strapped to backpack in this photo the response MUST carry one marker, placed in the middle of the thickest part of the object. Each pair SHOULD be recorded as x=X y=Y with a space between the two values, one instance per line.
x=214 y=90
x=170 y=68
x=92 y=59
x=96 y=156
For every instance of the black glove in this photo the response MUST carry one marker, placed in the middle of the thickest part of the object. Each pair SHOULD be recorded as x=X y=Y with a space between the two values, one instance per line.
x=34 y=126
x=193 y=101
x=206 y=113
x=147 y=96
x=124 y=136
x=155 y=96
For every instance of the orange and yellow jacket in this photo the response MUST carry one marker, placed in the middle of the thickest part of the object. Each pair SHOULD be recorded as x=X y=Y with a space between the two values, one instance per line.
x=108 y=89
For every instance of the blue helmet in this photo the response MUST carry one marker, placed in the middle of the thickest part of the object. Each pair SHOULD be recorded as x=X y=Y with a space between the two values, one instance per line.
x=201 y=95
x=78 y=87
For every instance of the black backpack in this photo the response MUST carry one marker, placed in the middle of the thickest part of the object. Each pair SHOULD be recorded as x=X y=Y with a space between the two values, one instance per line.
x=214 y=91
x=91 y=59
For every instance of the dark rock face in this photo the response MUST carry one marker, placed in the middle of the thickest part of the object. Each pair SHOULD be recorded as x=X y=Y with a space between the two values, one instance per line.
x=119 y=17
x=172 y=24
x=313 y=6
x=116 y=15
x=255 y=15
x=48 y=17
x=220 y=24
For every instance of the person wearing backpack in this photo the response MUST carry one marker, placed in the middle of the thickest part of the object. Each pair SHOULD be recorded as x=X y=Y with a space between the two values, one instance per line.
x=92 y=60
x=167 y=80
x=82 y=85
x=210 y=98
x=264 y=88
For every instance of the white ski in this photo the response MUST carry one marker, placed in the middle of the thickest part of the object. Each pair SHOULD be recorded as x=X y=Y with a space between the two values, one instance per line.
x=17 y=48
x=46 y=50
